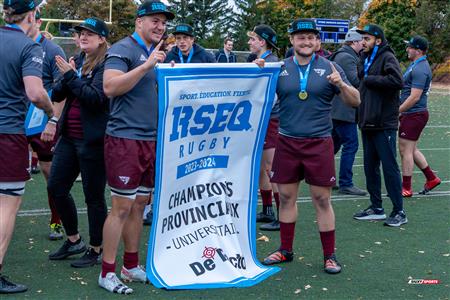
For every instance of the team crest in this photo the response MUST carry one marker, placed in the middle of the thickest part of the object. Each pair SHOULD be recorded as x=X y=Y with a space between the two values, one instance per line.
x=142 y=58
x=124 y=179
x=320 y=72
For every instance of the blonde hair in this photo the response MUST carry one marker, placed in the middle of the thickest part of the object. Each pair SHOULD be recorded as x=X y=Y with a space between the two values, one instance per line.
x=93 y=61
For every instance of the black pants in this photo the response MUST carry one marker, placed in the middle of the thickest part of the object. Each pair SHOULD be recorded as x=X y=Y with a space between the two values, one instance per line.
x=71 y=158
x=380 y=146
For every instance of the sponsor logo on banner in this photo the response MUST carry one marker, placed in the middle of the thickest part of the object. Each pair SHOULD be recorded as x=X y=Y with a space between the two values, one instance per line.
x=212 y=124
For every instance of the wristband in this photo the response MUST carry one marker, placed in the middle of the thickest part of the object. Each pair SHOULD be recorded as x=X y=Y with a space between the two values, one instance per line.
x=53 y=120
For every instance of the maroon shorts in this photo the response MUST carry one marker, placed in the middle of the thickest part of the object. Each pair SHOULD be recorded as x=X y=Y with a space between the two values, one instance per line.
x=411 y=125
x=129 y=163
x=43 y=149
x=272 y=134
x=14 y=158
x=311 y=159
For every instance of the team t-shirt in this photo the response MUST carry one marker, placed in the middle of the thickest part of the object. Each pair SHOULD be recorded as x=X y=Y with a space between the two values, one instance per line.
x=134 y=114
x=310 y=117
x=21 y=57
x=420 y=78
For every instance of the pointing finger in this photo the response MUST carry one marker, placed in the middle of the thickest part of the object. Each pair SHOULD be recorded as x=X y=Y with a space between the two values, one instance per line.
x=333 y=68
x=159 y=45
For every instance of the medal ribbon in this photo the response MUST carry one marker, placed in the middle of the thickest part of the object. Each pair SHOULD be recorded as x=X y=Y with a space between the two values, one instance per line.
x=265 y=54
x=191 y=53
x=368 y=62
x=411 y=66
x=141 y=43
x=304 y=77
x=15 y=26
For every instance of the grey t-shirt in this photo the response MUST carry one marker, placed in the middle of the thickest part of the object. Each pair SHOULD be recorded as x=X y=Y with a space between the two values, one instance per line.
x=310 y=117
x=21 y=57
x=275 y=113
x=420 y=78
x=50 y=72
x=134 y=114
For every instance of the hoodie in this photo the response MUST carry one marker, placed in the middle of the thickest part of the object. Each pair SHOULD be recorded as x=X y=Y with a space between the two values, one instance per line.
x=200 y=55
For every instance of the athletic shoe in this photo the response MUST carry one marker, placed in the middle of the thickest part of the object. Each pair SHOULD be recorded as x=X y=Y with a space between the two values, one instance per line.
x=56 y=232
x=278 y=257
x=429 y=185
x=113 y=284
x=396 y=219
x=8 y=287
x=148 y=218
x=133 y=275
x=68 y=249
x=331 y=265
x=274 y=226
x=407 y=193
x=89 y=259
x=35 y=170
x=370 y=214
x=352 y=190
x=265 y=218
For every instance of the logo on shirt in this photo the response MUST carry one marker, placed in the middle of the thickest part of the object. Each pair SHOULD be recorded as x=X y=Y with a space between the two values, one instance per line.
x=332 y=179
x=284 y=73
x=142 y=58
x=402 y=134
x=320 y=72
x=38 y=60
x=124 y=179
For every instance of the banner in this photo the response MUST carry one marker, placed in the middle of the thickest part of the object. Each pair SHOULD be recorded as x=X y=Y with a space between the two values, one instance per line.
x=211 y=128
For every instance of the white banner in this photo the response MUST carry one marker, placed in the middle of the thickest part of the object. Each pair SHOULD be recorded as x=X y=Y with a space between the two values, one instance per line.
x=212 y=123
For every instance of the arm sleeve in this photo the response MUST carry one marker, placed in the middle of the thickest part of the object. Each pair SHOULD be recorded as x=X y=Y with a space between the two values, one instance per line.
x=88 y=93
x=32 y=60
x=392 y=78
x=419 y=79
x=117 y=59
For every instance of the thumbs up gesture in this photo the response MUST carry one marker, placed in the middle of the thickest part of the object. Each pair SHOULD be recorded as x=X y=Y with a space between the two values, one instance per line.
x=335 y=77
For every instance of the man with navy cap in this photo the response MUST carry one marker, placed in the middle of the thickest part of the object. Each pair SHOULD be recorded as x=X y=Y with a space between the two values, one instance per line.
x=186 y=50
x=130 y=142
x=414 y=115
x=306 y=86
x=380 y=82
x=21 y=80
x=345 y=131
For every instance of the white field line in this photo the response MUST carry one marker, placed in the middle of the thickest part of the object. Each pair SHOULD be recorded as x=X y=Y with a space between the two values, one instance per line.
x=46 y=212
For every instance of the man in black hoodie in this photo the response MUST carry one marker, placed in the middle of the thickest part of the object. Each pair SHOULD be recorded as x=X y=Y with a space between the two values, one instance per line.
x=186 y=50
x=380 y=83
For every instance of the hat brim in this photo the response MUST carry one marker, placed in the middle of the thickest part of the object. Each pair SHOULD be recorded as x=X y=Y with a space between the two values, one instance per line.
x=183 y=32
x=254 y=34
x=364 y=32
x=168 y=14
x=80 y=27
x=305 y=30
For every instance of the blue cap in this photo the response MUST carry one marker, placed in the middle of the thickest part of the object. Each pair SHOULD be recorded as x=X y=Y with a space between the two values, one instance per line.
x=184 y=29
x=21 y=6
x=152 y=7
x=95 y=25
x=303 y=25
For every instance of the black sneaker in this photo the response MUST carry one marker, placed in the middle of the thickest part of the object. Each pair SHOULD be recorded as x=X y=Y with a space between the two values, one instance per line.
x=7 y=287
x=68 y=249
x=149 y=218
x=370 y=214
x=274 y=226
x=352 y=190
x=89 y=259
x=396 y=219
x=265 y=218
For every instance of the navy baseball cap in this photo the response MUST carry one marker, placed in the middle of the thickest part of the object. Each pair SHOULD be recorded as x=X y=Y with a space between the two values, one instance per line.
x=418 y=42
x=185 y=29
x=152 y=7
x=373 y=30
x=266 y=33
x=94 y=25
x=21 y=6
x=303 y=25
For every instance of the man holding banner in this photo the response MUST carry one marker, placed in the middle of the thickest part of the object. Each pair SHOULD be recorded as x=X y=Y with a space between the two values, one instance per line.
x=130 y=81
x=306 y=86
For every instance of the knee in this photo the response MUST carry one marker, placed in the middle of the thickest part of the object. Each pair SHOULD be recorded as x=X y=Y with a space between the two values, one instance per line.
x=287 y=199
x=121 y=212
x=322 y=202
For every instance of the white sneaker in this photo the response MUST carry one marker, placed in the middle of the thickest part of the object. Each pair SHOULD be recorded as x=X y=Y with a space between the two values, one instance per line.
x=136 y=274
x=113 y=284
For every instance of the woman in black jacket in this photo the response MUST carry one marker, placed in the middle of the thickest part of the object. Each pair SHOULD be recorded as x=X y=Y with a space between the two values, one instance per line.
x=80 y=146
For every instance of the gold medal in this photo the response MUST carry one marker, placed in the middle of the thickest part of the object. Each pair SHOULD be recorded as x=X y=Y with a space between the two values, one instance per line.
x=303 y=95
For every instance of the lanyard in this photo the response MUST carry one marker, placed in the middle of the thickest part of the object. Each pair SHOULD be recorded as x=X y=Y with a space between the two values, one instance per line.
x=79 y=74
x=368 y=62
x=40 y=38
x=411 y=66
x=141 y=43
x=304 y=77
x=265 y=54
x=191 y=53
x=15 y=26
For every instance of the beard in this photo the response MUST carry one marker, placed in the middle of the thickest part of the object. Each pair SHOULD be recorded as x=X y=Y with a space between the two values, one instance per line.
x=304 y=55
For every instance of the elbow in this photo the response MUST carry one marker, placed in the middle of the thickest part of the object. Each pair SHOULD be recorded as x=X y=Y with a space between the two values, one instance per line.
x=36 y=95
x=108 y=90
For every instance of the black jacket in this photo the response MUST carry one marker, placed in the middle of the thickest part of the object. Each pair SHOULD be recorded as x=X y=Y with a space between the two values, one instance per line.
x=349 y=60
x=200 y=55
x=380 y=91
x=222 y=58
x=94 y=105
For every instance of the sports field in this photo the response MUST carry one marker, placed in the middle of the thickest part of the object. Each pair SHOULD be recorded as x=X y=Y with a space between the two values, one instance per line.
x=378 y=261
